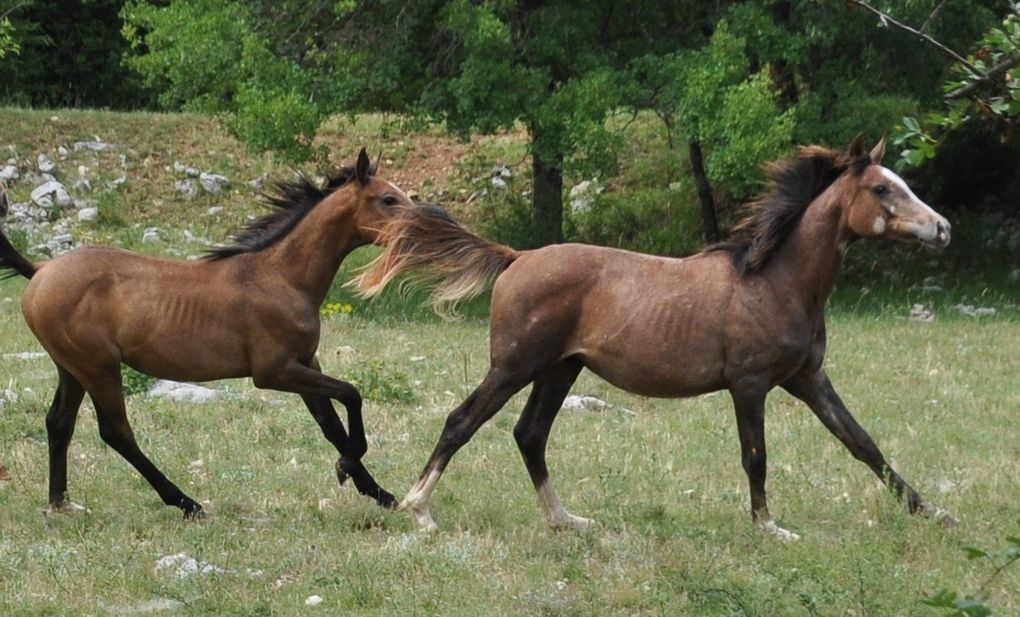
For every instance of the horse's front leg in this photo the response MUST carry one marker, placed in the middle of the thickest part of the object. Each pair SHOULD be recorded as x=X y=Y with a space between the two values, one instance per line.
x=750 y=409
x=816 y=390
x=316 y=389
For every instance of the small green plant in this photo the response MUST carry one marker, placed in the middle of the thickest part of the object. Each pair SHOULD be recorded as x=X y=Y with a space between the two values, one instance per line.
x=967 y=605
x=135 y=382
x=336 y=309
x=379 y=383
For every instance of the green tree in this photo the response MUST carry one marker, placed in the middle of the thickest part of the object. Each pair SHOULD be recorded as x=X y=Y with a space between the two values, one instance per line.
x=554 y=67
x=9 y=31
x=735 y=82
x=7 y=42
x=70 y=55
x=205 y=56
x=709 y=99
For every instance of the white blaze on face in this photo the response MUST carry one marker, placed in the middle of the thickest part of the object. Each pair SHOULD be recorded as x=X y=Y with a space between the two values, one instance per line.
x=898 y=182
x=920 y=219
x=397 y=190
x=879 y=226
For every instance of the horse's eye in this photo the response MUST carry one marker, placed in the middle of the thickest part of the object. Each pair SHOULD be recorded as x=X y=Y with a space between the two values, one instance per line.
x=879 y=190
x=390 y=200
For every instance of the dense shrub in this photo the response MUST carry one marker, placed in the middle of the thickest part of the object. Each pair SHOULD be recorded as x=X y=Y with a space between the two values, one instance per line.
x=661 y=221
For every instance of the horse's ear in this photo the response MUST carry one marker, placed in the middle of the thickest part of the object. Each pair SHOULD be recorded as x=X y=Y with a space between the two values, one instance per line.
x=363 y=168
x=856 y=147
x=878 y=152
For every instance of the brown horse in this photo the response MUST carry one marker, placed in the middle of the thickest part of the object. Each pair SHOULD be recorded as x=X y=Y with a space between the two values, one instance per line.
x=745 y=316
x=249 y=309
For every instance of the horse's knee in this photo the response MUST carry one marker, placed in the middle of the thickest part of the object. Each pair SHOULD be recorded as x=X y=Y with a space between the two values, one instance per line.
x=456 y=432
x=529 y=438
x=58 y=427
x=113 y=434
x=522 y=435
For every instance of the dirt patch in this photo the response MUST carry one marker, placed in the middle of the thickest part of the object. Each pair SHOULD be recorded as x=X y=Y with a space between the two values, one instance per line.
x=429 y=167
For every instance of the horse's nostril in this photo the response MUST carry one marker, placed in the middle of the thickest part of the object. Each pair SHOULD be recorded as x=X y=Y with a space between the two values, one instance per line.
x=942 y=230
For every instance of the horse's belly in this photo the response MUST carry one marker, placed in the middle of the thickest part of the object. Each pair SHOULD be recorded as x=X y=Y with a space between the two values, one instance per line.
x=195 y=366
x=659 y=377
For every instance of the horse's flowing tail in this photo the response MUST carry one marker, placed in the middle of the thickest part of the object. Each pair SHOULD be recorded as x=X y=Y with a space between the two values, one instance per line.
x=13 y=263
x=457 y=264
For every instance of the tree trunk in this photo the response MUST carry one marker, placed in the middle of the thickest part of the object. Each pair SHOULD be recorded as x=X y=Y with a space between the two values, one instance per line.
x=704 y=192
x=547 y=200
x=780 y=70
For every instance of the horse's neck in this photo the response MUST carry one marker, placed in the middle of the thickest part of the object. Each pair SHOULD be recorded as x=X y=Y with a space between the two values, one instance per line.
x=813 y=253
x=309 y=256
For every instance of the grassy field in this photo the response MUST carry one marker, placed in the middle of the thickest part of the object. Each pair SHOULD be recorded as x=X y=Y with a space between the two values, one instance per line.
x=662 y=478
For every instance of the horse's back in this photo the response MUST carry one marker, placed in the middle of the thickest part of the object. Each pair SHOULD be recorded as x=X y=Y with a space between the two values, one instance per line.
x=104 y=306
x=648 y=324
x=60 y=285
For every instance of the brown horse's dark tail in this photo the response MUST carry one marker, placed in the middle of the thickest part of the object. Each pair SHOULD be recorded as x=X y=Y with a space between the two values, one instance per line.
x=445 y=256
x=13 y=263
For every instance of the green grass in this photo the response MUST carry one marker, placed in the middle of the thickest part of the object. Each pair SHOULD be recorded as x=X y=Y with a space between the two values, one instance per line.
x=661 y=477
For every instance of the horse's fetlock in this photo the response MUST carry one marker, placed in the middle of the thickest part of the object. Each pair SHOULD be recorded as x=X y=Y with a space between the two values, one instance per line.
x=348 y=466
x=341 y=473
x=356 y=449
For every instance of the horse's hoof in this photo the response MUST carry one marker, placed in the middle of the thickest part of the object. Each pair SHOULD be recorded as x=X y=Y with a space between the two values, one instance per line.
x=940 y=516
x=194 y=512
x=784 y=535
x=946 y=519
x=421 y=516
x=386 y=500
x=568 y=521
x=65 y=508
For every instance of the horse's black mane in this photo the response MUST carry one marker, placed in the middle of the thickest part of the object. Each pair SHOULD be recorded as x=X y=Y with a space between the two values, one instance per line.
x=291 y=201
x=792 y=186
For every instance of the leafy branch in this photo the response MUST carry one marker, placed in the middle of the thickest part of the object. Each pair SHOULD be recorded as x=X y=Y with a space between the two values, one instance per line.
x=886 y=20
x=989 y=70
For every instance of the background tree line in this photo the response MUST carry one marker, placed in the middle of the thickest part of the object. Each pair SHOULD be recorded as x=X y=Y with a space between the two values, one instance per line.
x=733 y=84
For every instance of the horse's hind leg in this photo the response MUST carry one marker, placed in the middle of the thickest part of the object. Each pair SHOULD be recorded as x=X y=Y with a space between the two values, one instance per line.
x=816 y=390
x=532 y=435
x=60 y=421
x=114 y=429
x=461 y=425
x=324 y=414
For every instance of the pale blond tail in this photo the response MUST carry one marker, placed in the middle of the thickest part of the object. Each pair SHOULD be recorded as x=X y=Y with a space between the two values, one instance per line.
x=436 y=251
